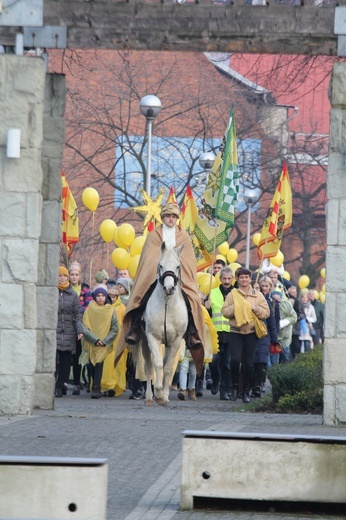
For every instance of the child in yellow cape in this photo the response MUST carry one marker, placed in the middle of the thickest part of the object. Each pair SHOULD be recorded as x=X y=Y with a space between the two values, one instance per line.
x=100 y=327
x=113 y=380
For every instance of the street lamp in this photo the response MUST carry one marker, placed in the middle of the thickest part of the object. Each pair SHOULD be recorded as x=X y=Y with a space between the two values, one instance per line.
x=150 y=107
x=249 y=199
x=206 y=161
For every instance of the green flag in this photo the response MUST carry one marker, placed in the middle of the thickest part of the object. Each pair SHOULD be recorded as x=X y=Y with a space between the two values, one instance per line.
x=229 y=179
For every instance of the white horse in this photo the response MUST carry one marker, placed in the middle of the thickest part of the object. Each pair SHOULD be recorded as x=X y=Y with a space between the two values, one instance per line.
x=166 y=320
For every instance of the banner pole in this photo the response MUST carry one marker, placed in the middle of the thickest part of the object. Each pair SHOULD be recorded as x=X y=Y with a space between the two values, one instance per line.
x=213 y=259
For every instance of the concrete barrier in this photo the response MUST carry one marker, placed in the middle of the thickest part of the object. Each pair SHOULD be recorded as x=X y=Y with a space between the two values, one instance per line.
x=53 y=488
x=263 y=467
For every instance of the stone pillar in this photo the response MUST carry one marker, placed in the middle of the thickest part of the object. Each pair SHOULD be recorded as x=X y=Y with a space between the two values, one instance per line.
x=335 y=318
x=30 y=219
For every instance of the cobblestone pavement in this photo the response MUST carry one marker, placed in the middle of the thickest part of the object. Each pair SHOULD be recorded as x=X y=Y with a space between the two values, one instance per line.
x=143 y=446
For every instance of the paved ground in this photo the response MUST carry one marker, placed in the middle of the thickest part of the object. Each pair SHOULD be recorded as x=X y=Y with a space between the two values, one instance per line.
x=143 y=446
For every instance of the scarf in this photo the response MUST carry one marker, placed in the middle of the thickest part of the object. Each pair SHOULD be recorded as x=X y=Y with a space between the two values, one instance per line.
x=242 y=310
x=168 y=236
x=63 y=286
x=243 y=314
x=77 y=288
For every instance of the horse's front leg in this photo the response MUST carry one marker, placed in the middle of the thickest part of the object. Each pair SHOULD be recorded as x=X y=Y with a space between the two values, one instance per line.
x=170 y=367
x=148 y=367
x=156 y=351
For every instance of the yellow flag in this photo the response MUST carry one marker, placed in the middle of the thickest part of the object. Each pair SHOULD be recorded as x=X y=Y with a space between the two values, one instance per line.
x=70 y=225
x=279 y=218
x=189 y=211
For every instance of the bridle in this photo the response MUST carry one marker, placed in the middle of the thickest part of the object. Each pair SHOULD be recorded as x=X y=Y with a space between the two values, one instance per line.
x=164 y=275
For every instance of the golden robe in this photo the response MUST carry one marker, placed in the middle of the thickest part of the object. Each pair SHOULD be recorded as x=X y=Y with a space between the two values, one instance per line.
x=99 y=322
x=114 y=378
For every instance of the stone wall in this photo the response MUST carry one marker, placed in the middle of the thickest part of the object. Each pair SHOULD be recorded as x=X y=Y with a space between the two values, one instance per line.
x=335 y=318
x=30 y=217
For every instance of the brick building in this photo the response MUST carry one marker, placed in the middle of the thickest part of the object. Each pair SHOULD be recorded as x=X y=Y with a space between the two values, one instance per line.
x=104 y=139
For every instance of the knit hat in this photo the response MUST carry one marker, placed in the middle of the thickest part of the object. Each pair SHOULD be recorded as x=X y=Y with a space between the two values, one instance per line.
x=170 y=209
x=126 y=283
x=63 y=270
x=75 y=266
x=101 y=289
x=101 y=275
x=276 y=292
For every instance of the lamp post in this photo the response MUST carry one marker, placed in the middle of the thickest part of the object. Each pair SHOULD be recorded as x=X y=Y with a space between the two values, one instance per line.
x=206 y=161
x=150 y=107
x=249 y=199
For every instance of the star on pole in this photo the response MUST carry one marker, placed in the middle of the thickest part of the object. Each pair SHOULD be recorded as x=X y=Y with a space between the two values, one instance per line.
x=214 y=180
x=151 y=208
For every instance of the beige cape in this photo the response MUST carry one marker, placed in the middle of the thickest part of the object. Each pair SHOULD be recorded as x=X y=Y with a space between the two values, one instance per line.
x=147 y=273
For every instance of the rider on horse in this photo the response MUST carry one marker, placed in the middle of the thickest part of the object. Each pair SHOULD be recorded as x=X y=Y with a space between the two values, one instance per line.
x=146 y=278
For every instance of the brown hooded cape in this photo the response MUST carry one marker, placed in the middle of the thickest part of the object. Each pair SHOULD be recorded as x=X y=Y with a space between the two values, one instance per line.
x=147 y=274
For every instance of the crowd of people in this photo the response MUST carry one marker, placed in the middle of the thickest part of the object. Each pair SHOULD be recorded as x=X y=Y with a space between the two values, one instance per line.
x=245 y=325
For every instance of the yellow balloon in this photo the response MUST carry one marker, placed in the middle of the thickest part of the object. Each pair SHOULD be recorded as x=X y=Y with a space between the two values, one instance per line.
x=278 y=260
x=316 y=294
x=232 y=256
x=256 y=238
x=223 y=248
x=126 y=234
x=90 y=199
x=133 y=264
x=234 y=266
x=221 y=257
x=303 y=281
x=323 y=272
x=107 y=228
x=217 y=280
x=117 y=240
x=286 y=275
x=323 y=288
x=204 y=282
x=322 y=297
x=120 y=258
x=137 y=245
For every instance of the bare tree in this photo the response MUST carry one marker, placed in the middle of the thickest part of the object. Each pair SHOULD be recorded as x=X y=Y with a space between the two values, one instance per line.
x=106 y=138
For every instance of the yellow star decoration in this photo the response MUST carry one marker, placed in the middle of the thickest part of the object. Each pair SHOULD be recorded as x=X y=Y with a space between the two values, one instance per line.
x=214 y=180
x=152 y=208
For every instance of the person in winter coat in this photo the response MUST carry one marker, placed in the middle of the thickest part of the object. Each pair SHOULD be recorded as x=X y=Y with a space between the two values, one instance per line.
x=300 y=325
x=100 y=327
x=242 y=307
x=85 y=297
x=310 y=316
x=69 y=328
x=319 y=311
x=263 y=345
x=221 y=365
x=288 y=318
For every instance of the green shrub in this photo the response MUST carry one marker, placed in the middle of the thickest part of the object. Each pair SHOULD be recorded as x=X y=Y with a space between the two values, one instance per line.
x=297 y=387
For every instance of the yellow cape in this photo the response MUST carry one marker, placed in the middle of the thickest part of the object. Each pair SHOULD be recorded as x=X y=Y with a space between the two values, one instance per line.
x=115 y=378
x=98 y=319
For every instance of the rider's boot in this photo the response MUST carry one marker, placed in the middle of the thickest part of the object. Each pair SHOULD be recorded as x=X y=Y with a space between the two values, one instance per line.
x=133 y=335
x=194 y=341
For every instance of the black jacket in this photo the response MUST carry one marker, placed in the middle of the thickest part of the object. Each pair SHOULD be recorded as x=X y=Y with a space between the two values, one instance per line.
x=69 y=320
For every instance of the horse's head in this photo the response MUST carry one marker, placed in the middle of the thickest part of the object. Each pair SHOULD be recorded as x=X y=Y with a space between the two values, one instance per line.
x=169 y=274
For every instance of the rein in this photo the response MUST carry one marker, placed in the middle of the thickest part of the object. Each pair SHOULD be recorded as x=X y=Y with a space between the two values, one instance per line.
x=162 y=278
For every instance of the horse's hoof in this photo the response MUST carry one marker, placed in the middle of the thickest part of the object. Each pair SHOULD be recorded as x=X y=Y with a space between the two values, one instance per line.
x=160 y=401
x=149 y=402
